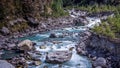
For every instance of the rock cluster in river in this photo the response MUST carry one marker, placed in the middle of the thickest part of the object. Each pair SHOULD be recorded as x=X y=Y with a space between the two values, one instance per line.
x=26 y=45
x=58 y=57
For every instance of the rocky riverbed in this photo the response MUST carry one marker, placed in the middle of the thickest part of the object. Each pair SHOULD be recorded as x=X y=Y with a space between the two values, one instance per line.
x=68 y=37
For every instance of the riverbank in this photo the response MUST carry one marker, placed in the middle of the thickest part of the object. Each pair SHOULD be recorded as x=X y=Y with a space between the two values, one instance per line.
x=10 y=43
x=96 y=47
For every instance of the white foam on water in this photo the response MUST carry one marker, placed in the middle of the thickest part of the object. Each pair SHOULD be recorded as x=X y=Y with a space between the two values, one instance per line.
x=42 y=35
x=75 y=62
x=93 y=22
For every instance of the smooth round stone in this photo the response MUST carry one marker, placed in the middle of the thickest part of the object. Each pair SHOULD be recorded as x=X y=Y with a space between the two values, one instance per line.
x=5 y=64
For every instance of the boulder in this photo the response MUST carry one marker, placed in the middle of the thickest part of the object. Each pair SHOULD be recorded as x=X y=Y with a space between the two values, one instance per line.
x=26 y=45
x=80 y=47
x=5 y=31
x=37 y=63
x=58 y=57
x=33 y=22
x=81 y=21
x=42 y=47
x=5 y=64
x=52 y=35
x=100 y=62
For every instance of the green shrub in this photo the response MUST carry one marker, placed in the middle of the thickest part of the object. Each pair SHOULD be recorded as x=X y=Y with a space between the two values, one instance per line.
x=57 y=7
x=110 y=28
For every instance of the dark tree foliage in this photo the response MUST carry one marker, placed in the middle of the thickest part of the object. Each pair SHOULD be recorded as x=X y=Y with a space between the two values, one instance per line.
x=89 y=2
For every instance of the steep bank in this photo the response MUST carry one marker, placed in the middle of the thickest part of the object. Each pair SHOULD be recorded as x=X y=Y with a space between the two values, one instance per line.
x=96 y=46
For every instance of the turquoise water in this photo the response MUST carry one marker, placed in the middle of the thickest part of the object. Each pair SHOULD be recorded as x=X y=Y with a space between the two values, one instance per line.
x=66 y=38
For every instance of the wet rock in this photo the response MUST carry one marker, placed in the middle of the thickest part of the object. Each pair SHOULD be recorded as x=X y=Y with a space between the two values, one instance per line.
x=81 y=21
x=85 y=36
x=5 y=64
x=37 y=63
x=26 y=45
x=58 y=57
x=52 y=35
x=5 y=31
x=45 y=67
x=80 y=47
x=43 y=47
x=94 y=58
x=71 y=48
x=56 y=42
x=1 y=54
x=84 y=41
x=98 y=67
x=100 y=62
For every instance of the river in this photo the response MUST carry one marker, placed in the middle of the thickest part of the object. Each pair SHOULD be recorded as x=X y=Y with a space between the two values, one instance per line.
x=66 y=38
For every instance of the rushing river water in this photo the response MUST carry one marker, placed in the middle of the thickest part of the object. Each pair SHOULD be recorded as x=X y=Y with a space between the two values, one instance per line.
x=66 y=38
x=70 y=39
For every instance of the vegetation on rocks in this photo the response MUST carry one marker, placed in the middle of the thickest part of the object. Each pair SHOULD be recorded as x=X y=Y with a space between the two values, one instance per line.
x=110 y=27
x=57 y=7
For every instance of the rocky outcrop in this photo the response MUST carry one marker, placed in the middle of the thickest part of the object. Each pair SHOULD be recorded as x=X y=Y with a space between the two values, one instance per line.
x=58 y=57
x=98 y=46
x=5 y=64
x=26 y=45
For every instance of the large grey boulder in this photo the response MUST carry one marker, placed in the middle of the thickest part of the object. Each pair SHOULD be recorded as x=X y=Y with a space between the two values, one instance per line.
x=5 y=64
x=100 y=62
x=26 y=45
x=58 y=57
